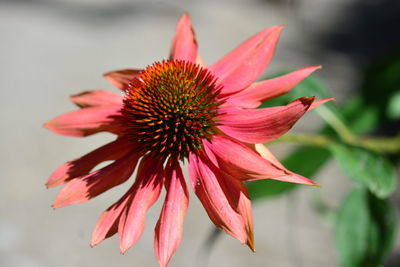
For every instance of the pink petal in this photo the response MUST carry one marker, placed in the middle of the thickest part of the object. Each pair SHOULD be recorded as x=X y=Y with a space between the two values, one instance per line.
x=121 y=78
x=318 y=102
x=96 y=98
x=107 y=225
x=238 y=160
x=262 y=125
x=208 y=186
x=168 y=232
x=83 y=165
x=184 y=44
x=291 y=177
x=87 y=187
x=257 y=93
x=145 y=192
x=242 y=66
x=239 y=199
x=243 y=162
x=267 y=154
x=87 y=121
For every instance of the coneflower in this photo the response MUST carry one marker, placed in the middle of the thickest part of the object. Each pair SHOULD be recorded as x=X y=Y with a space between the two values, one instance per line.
x=180 y=110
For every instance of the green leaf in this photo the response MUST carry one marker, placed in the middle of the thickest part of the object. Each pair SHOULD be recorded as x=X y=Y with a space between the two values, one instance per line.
x=360 y=118
x=352 y=228
x=382 y=229
x=393 y=109
x=268 y=188
x=365 y=229
x=365 y=167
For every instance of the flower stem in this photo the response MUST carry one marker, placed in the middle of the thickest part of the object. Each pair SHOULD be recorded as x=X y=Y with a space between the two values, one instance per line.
x=384 y=145
x=340 y=128
x=306 y=139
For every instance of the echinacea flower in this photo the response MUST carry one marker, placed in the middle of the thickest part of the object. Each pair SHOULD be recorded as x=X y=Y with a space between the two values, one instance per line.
x=180 y=110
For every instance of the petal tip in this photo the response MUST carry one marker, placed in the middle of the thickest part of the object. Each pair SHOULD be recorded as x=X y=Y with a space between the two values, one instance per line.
x=277 y=29
x=313 y=68
x=95 y=241
x=320 y=102
x=59 y=203
x=46 y=125
x=72 y=97
x=250 y=243
x=107 y=74
x=275 y=33
x=281 y=26
x=52 y=126
x=122 y=250
x=310 y=182
x=162 y=264
x=185 y=15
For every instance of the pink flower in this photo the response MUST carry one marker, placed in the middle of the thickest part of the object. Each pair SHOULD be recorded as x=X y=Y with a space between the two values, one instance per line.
x=177 y=110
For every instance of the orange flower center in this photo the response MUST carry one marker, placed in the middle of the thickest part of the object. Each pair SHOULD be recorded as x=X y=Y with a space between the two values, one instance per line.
x=171 y=107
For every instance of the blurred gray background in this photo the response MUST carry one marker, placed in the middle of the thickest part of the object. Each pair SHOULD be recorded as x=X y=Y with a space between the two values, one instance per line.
x=52 y=49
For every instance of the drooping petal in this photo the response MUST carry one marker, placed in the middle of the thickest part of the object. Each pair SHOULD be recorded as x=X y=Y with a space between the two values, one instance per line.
x=242 y=66
x=262 y=125
x=87 y=121
x=184 y=44
x=239 y=199
x=145 y=192
x=207 y=186
x=83 y=165
x=87 y=187
x=107 y=225
x=246 y=163
x=121 y=78
x=96 y=98
x=238 y=160
x=168 y=232
x=257 y=93
x=291 y=177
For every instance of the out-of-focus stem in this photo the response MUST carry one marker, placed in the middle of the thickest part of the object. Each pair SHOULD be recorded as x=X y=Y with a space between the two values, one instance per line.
x=380 y=144
x=340 y=128
x=384 y=145
x=306 y=139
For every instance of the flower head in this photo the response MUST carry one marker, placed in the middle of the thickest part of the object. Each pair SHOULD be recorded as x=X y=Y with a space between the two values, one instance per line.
x=170 y=108
x=181 y=110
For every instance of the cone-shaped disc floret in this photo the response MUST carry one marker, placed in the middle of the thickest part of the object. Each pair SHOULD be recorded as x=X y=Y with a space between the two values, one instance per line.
x=170 y=107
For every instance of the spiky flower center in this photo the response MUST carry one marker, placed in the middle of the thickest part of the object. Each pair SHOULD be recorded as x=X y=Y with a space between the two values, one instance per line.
x=171 y=107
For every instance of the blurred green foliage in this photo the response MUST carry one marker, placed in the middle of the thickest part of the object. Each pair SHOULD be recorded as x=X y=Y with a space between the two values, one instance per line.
x=365 y=223
x=367 y=168
x=365 y=228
